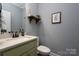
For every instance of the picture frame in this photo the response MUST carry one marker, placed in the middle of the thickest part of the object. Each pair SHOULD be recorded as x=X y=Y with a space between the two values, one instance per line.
x=56 y=18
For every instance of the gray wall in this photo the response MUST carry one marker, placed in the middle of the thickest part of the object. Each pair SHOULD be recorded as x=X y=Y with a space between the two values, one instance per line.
x=30 y=29
x=16 y=15
x=58 y=37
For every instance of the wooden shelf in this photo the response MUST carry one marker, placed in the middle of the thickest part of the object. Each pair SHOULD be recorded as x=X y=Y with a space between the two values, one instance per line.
x=34 y=18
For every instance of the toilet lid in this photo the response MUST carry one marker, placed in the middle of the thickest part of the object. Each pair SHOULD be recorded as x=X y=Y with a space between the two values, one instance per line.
x=43 y=49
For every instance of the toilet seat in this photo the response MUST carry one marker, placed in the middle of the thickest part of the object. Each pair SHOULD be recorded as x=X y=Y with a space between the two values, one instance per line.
x=43 y=49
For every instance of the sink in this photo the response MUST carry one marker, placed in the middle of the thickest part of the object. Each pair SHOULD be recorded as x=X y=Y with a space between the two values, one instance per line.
x=2 y=41
x=28 y=37
x=8 y=39
x=13 y=39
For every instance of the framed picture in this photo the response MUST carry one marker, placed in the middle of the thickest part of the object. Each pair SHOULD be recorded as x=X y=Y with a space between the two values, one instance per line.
x=56 y=18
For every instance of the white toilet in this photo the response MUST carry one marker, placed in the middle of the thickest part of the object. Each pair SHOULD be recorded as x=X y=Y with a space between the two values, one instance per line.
x=43 y=50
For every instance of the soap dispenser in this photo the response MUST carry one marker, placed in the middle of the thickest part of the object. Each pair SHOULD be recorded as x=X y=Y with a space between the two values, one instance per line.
x=13 y=35
x=22 y=32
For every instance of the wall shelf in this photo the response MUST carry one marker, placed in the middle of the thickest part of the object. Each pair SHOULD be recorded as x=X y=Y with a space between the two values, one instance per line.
x=34 y=18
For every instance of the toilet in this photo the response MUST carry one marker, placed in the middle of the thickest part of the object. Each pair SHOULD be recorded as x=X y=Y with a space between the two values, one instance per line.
x=43 y=50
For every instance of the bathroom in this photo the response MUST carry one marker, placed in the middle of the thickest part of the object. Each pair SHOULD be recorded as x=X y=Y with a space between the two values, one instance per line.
x=60 y=38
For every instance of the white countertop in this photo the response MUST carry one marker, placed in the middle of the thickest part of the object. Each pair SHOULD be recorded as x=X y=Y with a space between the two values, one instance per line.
x=11 y=42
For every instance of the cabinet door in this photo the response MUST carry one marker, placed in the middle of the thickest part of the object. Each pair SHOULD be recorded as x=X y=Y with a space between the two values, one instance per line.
x=31 y=52
x=21 y=49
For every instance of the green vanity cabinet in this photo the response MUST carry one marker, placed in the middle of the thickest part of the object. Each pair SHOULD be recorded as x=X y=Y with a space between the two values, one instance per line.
x=25 y=49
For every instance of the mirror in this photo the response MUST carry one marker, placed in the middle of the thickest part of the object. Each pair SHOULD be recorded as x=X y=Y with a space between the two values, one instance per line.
x=6 y=20
x=11 y=16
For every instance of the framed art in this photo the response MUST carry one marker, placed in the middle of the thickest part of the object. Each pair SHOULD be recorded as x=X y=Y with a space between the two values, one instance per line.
x=56 y=18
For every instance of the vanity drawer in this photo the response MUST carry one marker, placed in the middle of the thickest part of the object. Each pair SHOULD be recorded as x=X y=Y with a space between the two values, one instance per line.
x=21 y=49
